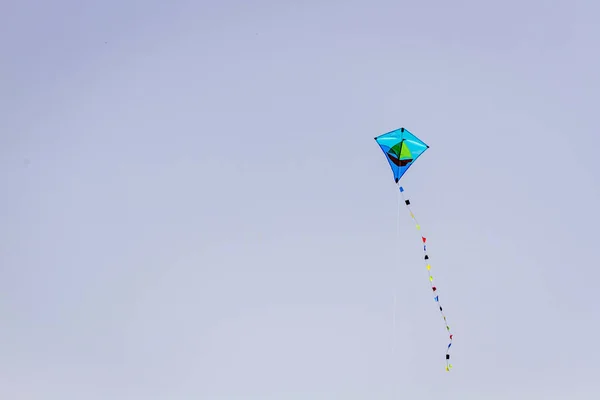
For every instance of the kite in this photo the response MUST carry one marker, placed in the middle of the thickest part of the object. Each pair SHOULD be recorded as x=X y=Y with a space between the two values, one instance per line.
x=402 y=149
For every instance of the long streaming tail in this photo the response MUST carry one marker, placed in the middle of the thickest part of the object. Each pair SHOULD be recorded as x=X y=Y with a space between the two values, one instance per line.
x=433 y=287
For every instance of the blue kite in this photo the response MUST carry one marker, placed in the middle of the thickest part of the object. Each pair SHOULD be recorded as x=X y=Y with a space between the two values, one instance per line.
x=402 y=149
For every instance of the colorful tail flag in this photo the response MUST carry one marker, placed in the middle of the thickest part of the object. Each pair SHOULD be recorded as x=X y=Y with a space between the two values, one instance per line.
x=431 y=281
x=402 y=149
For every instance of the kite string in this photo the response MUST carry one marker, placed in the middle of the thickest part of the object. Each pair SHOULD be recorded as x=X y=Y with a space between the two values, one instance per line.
x=428 y=266
x=394 y=295
x=395 y=289
x=394 y=328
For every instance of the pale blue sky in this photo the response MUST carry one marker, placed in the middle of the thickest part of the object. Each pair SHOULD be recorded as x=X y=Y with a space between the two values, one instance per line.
x=193 y=205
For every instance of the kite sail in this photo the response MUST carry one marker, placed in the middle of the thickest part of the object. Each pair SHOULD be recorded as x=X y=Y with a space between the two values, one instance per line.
x=402 y=149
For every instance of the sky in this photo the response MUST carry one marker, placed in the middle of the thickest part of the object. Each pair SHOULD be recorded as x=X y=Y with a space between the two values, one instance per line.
x=193 y=205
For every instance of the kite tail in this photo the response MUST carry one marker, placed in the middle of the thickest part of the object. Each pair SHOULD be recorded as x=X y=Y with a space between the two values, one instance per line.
x=433 y=288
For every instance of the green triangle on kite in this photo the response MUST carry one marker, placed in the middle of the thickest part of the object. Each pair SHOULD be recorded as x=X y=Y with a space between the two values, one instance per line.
x=405 y=152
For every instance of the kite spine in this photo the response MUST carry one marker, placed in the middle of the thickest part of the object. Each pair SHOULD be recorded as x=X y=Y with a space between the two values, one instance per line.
x=431 y=282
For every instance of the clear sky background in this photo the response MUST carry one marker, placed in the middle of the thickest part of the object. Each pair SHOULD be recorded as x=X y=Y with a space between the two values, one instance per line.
x=193 y=206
